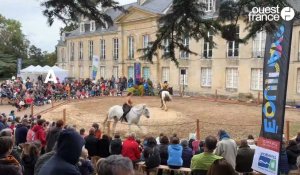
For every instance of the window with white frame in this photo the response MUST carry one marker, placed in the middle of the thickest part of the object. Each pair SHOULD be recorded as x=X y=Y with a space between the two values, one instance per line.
x=206 y=76
x=298 y=80
x=92 y=26
x=209 y=5
x=165 y=74
x=72 y=51
x=145 y=41
x=146 y=73
x=208 y=47
x=184 y=54
x=130 y=47
x=183 y=76
x=82 y=27
x=259 y=43
x=80 y=71
x=103 y=72
x=116 y=48
x=166 y=47
x=232 y=78
x=233 y=46
x=130 y=72
x=81 y=50
x=91 y=49
x=116 y=71
x=257 y=79
x=102 y=49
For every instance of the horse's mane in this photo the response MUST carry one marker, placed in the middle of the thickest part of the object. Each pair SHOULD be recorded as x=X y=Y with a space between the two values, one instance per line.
x=138 y=108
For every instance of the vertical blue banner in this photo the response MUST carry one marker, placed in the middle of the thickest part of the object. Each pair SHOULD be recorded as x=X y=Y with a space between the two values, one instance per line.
x=137 y=72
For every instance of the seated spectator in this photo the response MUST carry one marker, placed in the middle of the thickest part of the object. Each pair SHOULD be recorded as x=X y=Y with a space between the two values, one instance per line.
x=21 y=132
x=151 y=154
x=226 y=148
x=12 y=115
x=221 y=166
x=103 y=147
x=244 y=158
x=158 y=138
x=203 y=161
x=82 y=133
x=42 y=160
x=298 y=163
x=8 y=164
x=69 y=147
x=30 y=155
x=298 y=138
x=85 y=165
x=187 y=154
x=283 y=165
x=115 y=165
x=53 y=135
x=116 y=145
x=251 y=142
x=130 y=148
x=163 y=150
x=2 y=124
x=98 y=132
x=175 y=152
x=292 y=151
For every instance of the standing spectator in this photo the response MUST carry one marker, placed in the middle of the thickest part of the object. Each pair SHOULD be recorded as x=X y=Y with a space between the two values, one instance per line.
x=8 y=164
x=115 y=165
x=40 y=133
x=298 y=163
x=283 y=166
x=221 y=166
x=2 y=125
x=29 y=157
x=53 y=135
x=21 y=132
x=187 y=154
x=42 y=160
x=12 y=115
x=30 y=134
x=251 y=142
x=292 y=151
x=151 y=154
x=116 y=145
x=175 y=152
x=244 y=158
x=85 y=165
x=98 y=132
x=91 y=144
x=103 y=147
x=69 y=147
x=298 y=138
x=203 y=161
x=130 y=148
x=226 y=148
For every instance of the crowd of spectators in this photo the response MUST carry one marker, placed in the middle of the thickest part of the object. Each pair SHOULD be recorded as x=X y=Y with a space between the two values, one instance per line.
x=32 y=146
x=23 y=94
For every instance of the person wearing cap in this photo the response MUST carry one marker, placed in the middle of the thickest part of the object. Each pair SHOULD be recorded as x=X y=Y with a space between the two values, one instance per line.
x=69 y=148
x=21 y=132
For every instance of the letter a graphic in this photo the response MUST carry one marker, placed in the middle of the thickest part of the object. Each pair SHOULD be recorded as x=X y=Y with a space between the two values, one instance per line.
x=53 y=77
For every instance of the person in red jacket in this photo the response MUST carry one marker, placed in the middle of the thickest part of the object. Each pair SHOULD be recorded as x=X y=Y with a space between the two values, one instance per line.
x=40 y=133
x=130 y=148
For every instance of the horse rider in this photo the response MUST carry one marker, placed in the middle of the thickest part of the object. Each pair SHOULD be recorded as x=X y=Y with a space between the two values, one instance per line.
x=127 y=106
x=164 y=87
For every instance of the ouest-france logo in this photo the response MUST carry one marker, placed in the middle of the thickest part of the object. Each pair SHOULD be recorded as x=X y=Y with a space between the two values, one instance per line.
x=271 y=14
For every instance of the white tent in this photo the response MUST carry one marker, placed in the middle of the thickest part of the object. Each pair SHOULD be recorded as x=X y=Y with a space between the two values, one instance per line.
x=34 y=71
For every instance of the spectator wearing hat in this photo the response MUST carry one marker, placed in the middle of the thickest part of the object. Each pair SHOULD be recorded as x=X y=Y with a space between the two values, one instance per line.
x=187 y=154
x=69 y=148
x=21 y=132
x=226 y=148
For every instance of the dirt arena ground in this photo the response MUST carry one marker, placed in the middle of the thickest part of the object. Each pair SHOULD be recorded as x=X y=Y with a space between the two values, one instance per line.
x=238 y=119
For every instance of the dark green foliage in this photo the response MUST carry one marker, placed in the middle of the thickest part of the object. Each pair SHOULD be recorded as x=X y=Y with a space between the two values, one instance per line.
x=71 y=10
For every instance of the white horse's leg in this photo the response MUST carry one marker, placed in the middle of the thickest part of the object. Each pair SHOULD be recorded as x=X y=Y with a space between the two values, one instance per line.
x=114 y=127
x=105 y=121
x=143 y=131
x=165 y=105
x=129 y=128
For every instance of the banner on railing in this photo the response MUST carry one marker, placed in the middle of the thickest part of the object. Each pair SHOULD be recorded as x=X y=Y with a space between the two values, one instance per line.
x=95 y=67
x=137 y=72
x=276 y=67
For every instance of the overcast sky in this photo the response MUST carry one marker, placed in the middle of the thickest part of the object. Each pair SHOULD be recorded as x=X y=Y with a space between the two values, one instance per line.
x=34 y=24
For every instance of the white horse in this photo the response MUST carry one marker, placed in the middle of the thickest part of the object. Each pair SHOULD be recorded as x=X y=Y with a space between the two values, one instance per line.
x=133 y=116
x=164 y=97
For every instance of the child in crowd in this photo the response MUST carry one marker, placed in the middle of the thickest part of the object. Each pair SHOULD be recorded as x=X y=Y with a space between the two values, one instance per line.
x=84 y=164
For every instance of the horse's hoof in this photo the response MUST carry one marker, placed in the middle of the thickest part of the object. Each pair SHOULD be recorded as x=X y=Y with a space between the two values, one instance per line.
x=166 y=109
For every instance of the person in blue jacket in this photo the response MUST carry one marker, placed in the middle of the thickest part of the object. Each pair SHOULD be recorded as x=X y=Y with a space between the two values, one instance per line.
x=175 y=152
